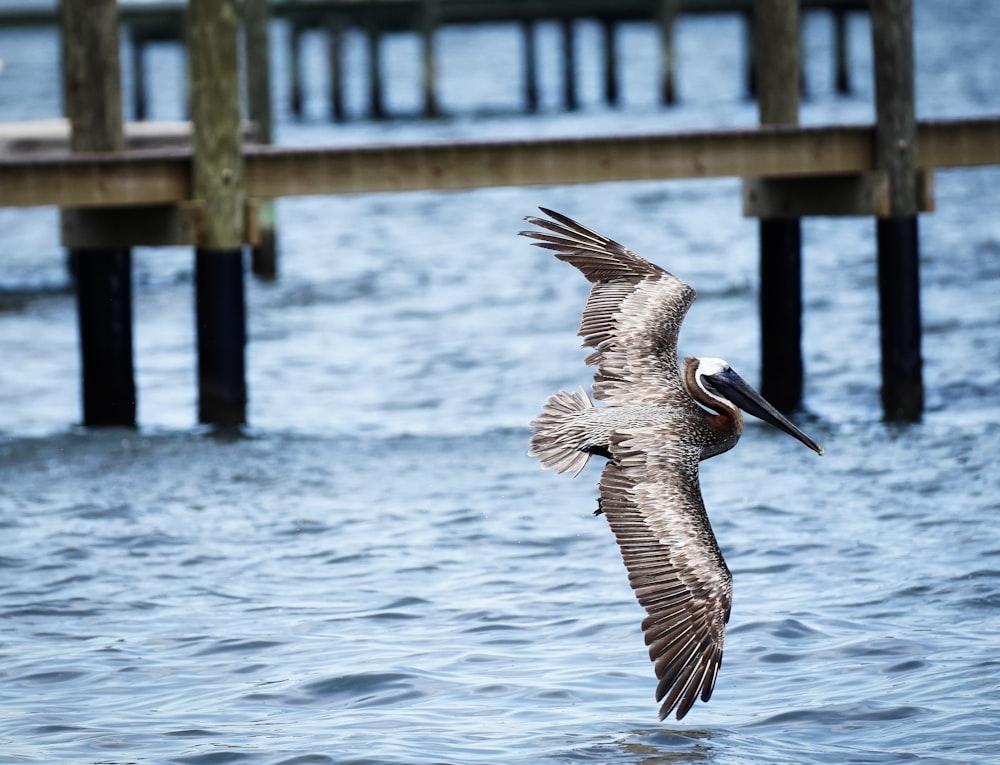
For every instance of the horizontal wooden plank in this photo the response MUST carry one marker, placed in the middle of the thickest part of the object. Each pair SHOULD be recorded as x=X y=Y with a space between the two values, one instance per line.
x=163 y=176
x=141 y=225
x=844 y=194
x=53 y=135
x=147 y=225
x=857 y=194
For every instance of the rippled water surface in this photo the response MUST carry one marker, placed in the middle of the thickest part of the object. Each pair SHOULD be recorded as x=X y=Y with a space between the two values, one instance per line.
x=374 y=571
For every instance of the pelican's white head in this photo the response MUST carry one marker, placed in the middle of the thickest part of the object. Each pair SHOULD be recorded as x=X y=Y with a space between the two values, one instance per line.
x=722 y=388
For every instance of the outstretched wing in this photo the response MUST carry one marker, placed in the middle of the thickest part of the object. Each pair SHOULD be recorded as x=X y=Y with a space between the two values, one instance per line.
x=631 y=318
x=652 y=500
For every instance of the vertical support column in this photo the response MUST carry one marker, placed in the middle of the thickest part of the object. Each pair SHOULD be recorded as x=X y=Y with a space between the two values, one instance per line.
x=428 y=31
x=336 y=29
x=93 y=102
x=138 y=49
x=569 y=65
x=841 y=62
x=219 y=185
x=531 y=100
x=897 y=234
x=376 y=100
x=750 y=52
x=666 y=20
x=610 y=61
x=295 y=69
x=776 y=25
x=264 y=257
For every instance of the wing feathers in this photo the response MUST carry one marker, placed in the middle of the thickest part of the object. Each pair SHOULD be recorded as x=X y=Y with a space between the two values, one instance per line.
x=675 y=570
x=632 y=316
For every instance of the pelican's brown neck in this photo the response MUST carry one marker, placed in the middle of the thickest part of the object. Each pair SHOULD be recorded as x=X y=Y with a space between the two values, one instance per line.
x=726 y=424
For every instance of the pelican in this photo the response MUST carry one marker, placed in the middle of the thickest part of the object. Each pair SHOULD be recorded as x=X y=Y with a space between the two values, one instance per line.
x=658 y=423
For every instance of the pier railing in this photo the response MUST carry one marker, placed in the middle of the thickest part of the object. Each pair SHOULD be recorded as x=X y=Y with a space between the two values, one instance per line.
x=158 y=21
x=805 y=157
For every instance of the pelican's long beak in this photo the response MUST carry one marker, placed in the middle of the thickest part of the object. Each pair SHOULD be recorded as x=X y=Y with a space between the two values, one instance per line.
x=733 y=387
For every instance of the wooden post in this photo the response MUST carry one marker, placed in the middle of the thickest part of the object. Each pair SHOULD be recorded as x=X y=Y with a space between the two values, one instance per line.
x=750 y=52
x=219 y=186
x=103 y=276
x=531 y=100
x=841 y=63
x=569 y=65
x=140 y=108
x=296 y=91
x=666 y=19
x=264 y=256
x=376 y=100
x=610 y=61
x=428 y=29
x=336 y=30
x=776 y=25
x=897 y=235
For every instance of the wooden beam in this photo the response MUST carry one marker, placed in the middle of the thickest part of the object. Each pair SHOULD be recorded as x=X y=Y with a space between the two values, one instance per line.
x=857 y=194
x=144 y=177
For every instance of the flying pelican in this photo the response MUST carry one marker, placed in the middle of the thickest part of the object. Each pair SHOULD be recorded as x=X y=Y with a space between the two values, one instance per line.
x=657 y=426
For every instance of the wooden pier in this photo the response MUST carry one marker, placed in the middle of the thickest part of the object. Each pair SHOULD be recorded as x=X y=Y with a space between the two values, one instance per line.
x=158 y=21
x=214 y=193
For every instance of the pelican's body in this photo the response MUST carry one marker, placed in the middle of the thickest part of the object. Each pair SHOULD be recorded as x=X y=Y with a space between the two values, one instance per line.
x=653 y=432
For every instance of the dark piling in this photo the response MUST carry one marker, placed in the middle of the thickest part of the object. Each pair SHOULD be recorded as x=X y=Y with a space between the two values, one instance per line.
x=570 y=100
x=530 y=53
x=897 y=234
x=777 y=54
x=103 y=275
x=219 y=185
x=264 y=254
x=666 y=19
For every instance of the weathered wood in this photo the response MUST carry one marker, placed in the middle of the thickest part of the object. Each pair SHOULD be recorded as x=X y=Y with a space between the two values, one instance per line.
x=897 y=232
x=895 y=126
x=846 y=194
x=570 y=100
x=530 y=54
x=776 y=49
x=336 y=33
x=263 y=255
x=102 y=275
x=257 y=44
x=140 y=226
x=217 y=167
x=841 y=56
x=376 y=91
x=92 y=94
x=296 y=91
x=610 y=46
x=218 y=181
x=778 y=56
x=163 y=175
x=429 y=15
x=397 y=13
x=666 y=18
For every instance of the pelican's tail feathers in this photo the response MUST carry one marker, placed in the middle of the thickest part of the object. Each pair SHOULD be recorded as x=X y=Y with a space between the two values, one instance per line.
x=559 y=435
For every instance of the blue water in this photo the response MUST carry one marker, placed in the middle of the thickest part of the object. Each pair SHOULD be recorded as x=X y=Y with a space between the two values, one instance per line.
x=374 y=571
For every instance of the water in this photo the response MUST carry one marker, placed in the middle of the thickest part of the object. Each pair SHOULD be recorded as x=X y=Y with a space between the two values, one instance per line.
x=375 y=572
